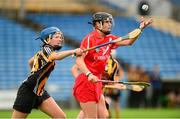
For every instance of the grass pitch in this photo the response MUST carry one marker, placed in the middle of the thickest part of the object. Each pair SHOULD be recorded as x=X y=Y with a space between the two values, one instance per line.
x=125 y=113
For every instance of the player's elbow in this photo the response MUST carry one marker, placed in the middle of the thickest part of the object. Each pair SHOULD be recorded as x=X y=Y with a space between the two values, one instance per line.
x=130 y=42
x=30 y=62
x=79 y=60
x=127 y=44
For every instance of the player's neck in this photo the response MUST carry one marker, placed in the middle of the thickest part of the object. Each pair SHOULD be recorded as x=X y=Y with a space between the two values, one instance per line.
x=101 y=34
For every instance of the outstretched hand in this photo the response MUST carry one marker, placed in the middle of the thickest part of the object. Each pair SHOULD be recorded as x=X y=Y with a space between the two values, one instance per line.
x=144 y=23
x=78 y=52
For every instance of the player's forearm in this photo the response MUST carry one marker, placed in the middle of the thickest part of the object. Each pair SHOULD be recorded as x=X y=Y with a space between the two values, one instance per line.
x=63 y=54
x=126 y=42
x=74 y=70
x=135 y=33
x=81 y=64
x=131 y=41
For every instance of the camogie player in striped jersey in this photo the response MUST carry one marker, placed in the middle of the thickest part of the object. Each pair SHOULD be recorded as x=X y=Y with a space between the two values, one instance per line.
x=113 y=72
x=31 y=94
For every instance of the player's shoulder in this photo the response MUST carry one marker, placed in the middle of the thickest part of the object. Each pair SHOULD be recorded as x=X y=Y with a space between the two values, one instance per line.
x=47 y=50
x=89 y=37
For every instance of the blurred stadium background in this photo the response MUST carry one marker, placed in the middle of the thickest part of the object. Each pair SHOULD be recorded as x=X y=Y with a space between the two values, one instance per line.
x=159 y=45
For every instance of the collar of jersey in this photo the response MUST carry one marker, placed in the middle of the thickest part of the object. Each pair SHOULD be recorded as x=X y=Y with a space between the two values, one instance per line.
x=47 y=45
x=98 y=36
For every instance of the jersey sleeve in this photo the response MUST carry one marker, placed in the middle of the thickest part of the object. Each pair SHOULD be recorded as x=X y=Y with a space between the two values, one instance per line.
x=87 y=42
x=83 y=44
x=51 y=56
x=48 y=54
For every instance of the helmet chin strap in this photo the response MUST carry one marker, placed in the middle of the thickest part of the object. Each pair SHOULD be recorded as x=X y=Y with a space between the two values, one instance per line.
x=106 y=32
x=57 y=47
x=100 y=29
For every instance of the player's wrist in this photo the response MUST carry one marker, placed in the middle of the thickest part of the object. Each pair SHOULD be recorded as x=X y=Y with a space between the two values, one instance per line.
x=141 y=28
x=88 y=73
x=74 y=53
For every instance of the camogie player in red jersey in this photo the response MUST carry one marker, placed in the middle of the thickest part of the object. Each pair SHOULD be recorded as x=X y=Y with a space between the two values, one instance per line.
x=113 y=71
x=87 y=90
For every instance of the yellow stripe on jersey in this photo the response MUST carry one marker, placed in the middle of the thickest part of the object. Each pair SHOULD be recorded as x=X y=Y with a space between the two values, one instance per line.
x=35 y=63
x=39 y=88
x=117 y=70
x=51 y=56
x=112 y=68
x=109 y=63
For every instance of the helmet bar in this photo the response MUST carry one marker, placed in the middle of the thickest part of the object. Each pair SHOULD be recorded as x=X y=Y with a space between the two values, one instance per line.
x=102 y=16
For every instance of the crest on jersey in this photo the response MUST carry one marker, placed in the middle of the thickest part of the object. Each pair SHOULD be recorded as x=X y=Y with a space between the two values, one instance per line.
x=97 y=49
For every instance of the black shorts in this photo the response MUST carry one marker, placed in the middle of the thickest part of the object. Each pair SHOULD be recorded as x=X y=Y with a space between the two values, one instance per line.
x=114 y=95
x=26 y=99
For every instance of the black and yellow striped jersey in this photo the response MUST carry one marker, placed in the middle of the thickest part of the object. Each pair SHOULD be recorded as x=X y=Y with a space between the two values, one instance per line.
x=43 y=65
x=111 y=69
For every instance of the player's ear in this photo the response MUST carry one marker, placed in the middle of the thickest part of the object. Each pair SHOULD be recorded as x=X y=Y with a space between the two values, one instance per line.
x=47 y=40
x=97 y=24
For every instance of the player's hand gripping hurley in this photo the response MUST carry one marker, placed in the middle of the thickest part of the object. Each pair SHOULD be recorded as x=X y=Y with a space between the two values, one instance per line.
x=132 y=35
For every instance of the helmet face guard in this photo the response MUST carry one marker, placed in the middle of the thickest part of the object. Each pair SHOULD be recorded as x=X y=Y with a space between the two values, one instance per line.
x=48 y=33
x=101 y=17
x=58 y=47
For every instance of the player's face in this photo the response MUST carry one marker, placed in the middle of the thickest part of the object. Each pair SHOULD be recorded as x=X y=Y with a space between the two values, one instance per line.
x=57 y=41
x=107 y=25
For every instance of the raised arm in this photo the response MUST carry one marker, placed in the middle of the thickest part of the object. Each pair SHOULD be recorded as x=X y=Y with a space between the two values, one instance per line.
x=143 y=24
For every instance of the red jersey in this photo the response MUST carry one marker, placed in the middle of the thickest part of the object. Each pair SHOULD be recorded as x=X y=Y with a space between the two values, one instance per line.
x=95 y=60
